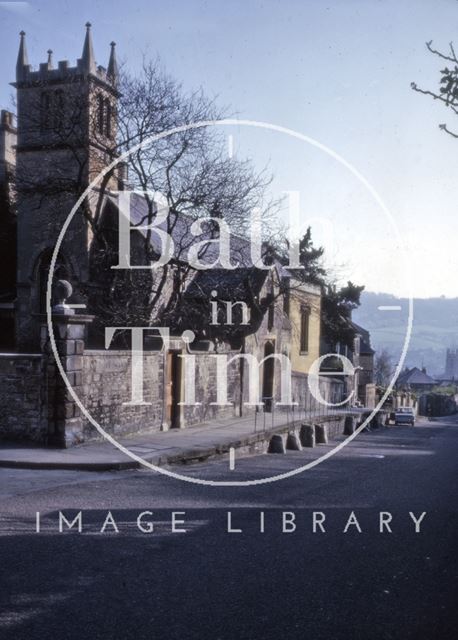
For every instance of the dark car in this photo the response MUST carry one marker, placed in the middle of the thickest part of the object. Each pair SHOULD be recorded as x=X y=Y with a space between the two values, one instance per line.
x=404 y=415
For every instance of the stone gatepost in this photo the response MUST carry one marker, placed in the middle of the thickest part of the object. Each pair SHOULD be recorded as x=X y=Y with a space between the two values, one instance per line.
x=349 y=425
x=65 y=422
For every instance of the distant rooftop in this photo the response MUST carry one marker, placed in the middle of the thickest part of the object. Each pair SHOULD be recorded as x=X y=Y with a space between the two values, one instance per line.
x=415 y=376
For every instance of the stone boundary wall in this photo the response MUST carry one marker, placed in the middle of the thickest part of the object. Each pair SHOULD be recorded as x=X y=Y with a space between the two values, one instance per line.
x=31 y=410
x=331 y=390
x=23 y=397
x=106 y=385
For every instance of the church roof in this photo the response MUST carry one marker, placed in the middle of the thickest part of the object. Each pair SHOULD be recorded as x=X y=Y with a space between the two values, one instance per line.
x=180 y=228
x=238 y=284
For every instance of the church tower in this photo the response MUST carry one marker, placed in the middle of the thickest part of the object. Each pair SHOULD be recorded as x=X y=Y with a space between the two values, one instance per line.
x=7 y=229
x=66 y=134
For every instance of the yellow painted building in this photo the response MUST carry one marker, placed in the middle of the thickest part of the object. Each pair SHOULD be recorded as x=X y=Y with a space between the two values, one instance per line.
x=304 y=311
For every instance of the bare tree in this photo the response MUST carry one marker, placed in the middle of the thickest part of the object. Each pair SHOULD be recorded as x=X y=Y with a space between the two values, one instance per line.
x=190 y=169
x=383 y=368
x=447 y=91
x=193 y=173
x=197 y=179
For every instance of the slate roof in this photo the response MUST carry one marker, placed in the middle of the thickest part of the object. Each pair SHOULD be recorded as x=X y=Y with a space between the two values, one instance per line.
x=229 y=285
x=361 y=331
x=180 y=231
x=365 y=348
x=415 y=376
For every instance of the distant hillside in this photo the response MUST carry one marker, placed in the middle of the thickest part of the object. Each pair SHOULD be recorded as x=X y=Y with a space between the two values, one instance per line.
x=435 y=327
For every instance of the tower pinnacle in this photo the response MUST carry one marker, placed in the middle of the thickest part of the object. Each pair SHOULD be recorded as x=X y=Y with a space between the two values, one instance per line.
x=113 y=73
x=87 y=58
x=22 y=59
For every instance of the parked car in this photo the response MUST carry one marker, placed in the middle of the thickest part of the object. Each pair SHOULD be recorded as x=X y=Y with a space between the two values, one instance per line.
x=404 y=415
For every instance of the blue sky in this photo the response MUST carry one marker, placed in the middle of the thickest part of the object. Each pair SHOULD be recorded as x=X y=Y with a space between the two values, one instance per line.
x=338 y=71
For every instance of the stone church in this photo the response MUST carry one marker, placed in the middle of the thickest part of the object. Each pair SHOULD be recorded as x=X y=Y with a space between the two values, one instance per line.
x=60 y=139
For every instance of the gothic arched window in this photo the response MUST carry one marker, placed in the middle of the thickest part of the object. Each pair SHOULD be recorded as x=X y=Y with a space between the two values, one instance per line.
x=100 y=113
x=107 y=118
x=104 y=116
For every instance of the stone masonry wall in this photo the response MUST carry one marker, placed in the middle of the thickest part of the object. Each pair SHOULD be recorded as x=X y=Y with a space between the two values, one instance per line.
x=206 y=388
x=106 y=384
x=23 y=413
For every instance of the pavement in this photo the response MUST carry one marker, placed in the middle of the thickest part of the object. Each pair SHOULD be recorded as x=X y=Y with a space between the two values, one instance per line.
x=176 y=446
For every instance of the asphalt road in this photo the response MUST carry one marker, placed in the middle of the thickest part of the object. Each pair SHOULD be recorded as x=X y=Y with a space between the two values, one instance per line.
x=208 y=583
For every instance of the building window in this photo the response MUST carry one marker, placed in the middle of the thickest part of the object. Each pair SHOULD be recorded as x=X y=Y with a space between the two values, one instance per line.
x=286 y=296
x=305 y=321
x=270 y=317
x=104 y=116
x=100 y=114
x=271 y=309
x=107 y=118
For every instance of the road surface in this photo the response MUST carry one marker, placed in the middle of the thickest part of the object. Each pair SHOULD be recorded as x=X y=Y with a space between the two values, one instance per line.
x=272 y=579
